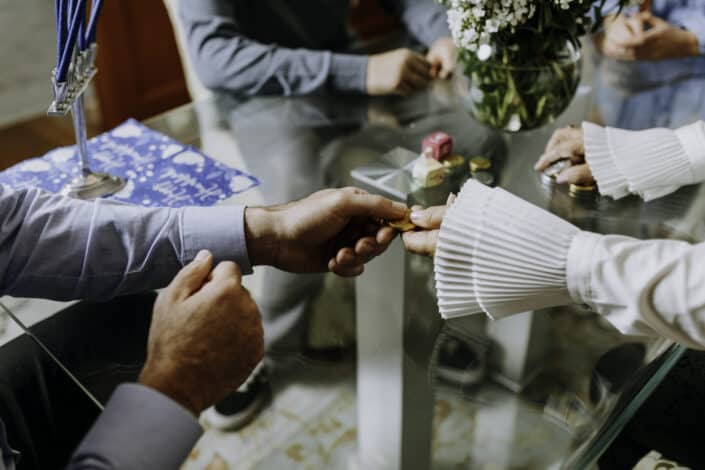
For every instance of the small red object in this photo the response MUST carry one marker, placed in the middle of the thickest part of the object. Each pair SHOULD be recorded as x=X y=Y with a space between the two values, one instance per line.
x=438 y=145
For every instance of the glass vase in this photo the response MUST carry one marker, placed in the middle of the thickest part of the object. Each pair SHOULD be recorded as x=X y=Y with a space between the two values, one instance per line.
x=515 y=89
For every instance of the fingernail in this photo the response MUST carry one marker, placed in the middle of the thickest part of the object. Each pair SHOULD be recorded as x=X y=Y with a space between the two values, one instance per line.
x=415 y=215
x=399 y=205
x=560 y=179
x=202 y=256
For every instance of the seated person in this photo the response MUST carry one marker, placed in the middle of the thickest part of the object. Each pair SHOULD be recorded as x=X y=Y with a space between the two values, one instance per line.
x=60 y=248
x=665 y=29
x=295 y=48
x=651 y=163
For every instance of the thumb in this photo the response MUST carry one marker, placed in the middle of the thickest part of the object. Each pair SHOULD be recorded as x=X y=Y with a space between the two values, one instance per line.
x=192 y=276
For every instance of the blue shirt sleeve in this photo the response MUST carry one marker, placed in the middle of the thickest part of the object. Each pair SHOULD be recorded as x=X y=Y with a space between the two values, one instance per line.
x=140 y=429
x=63 y=249
x=225 y=59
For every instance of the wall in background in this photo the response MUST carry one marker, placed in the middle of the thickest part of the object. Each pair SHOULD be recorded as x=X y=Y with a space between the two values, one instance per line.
x=27 y=55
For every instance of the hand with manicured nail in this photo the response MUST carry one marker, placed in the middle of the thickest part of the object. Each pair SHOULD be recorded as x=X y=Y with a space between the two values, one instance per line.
x=333 y=229
x=423 y=242
x=567 y=143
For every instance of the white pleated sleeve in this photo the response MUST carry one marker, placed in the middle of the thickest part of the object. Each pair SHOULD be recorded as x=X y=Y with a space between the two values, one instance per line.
x=500 y=255
x=651 y=163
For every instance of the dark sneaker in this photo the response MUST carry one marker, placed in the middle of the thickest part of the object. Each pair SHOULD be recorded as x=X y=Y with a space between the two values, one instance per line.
x=239 y=408
x=460 y=362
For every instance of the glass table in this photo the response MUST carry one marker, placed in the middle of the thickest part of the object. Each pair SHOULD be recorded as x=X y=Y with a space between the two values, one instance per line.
x=365 y=374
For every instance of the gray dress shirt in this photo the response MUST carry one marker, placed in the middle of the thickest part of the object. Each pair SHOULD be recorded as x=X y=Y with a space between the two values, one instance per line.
x=59 y=248
x=289 y=47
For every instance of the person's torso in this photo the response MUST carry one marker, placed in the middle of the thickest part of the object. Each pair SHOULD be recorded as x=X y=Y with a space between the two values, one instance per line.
x=320 y=24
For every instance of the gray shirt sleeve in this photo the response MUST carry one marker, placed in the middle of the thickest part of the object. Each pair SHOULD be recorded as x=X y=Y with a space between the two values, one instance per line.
x=426 y=20
x=140 y=429
x=225 y=59
x=60 y=248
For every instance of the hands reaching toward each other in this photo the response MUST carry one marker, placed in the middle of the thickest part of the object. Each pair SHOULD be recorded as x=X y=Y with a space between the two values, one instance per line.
x=423 y=242
x=443 y=56
x=567 y=143
x=398 y=72
x=333 y=229
x=647 y=37
x=206 y=335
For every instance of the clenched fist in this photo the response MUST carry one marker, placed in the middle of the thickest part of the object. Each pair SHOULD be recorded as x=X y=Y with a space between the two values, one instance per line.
x=398 y=72
x=206 y=335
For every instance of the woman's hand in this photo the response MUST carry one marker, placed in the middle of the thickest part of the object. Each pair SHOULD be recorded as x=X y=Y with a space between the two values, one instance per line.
x=567 y=144
x=423 y=242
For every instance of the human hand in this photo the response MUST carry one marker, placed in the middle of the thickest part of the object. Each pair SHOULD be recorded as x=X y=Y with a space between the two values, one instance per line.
x=647 y=37
x=443 y=55
x=206 y=335
x=567 y=143
x=398 y=72
x=333 y=229
x=423 y=242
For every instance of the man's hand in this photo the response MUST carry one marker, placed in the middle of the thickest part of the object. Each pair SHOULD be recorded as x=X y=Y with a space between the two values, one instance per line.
x=206 y=335
x=424 y=242
x=333 y=229
x=398 y=72
x=647 y=37
x=567 y=143
x=443 y=55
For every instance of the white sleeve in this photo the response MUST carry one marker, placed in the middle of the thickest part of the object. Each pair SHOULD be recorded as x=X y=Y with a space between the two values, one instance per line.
x=500 y=255
x=650 y=163
x=652 y=287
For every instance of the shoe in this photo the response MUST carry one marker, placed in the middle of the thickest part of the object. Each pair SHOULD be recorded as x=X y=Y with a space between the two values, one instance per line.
x=239 y=408
x=461 y=363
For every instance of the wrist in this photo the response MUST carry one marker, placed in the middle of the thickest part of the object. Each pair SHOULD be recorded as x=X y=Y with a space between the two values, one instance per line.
x=261 y=235
x=166 y=384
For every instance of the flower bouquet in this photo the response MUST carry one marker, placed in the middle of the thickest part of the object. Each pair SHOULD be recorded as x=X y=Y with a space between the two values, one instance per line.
x=522 y=57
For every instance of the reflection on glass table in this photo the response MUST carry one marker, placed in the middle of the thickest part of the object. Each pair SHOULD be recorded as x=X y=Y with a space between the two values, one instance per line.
x=546 y=389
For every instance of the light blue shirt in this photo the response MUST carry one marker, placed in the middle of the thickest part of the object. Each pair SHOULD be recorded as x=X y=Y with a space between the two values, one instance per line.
x=58 y=248
x=688 y=14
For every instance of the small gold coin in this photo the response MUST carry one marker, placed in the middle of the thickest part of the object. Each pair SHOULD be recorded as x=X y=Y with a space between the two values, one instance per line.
x=578 y=190
x=404 y=224
x=480 y=163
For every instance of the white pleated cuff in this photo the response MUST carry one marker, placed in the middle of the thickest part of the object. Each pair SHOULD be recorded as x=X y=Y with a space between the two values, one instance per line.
x=602 y=164
x=651 y=163
x=500 y=255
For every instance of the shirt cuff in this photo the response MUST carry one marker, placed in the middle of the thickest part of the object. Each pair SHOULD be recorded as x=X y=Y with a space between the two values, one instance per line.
x=501 y=255
x=348 y=72
x=579 y=267
x=140 y=429
x=650 y=163
x=602 y=162
x=221 y=230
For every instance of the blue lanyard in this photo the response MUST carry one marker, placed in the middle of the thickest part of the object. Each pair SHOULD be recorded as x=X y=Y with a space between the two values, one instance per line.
x=72 y=32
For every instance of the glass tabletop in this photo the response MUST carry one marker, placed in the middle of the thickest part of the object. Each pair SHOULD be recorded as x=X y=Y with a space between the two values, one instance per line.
x=547 y=389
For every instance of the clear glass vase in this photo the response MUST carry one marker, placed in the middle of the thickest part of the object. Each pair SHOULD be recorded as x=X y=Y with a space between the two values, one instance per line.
x=514 y=89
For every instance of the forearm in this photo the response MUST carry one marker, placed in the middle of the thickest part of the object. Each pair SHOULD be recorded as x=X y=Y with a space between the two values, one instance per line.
x=651 y=287
x=140 y=429
x=650 y=163
x=226 y=59
x=60 y=248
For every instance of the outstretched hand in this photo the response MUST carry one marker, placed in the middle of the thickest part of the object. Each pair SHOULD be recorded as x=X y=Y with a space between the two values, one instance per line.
x=333 y=229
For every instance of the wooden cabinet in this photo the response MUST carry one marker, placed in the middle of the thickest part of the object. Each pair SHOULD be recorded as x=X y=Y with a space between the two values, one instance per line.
x=139 y=68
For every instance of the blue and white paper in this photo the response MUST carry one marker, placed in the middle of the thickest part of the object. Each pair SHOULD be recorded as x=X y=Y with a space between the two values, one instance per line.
x=159 y=170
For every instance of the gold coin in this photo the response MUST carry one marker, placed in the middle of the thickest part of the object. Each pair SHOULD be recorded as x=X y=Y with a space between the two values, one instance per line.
x=404 y=224
x=480 y=163
x=579 y=188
